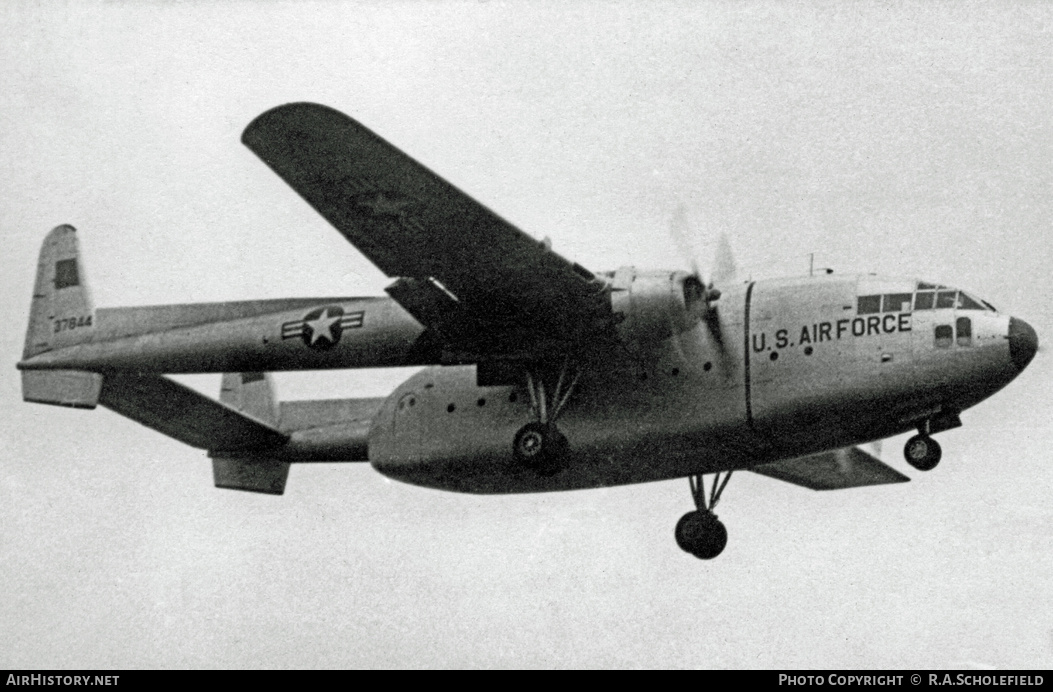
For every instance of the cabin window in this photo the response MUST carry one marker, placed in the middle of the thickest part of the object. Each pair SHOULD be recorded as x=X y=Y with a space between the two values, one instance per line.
x=944 y=336
x=925 y=301
x=965 y=331
x=945 y=299
x=869 y=304
x=895 y=302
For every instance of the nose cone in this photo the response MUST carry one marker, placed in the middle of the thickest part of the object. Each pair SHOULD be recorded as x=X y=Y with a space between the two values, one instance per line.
x=1023 y=342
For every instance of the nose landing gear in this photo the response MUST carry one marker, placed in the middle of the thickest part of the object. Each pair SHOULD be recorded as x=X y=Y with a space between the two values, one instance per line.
x=700 y=532
x=922 y=452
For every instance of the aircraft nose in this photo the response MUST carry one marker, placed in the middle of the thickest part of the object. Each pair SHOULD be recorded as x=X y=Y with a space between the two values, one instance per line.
x=1023 y=342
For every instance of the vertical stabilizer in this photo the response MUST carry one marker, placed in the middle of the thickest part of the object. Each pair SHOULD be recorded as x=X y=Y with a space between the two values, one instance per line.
x=251 y=393
x=62 y=313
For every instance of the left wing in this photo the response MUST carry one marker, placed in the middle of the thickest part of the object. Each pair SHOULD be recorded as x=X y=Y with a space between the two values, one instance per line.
x=850 y=467
x=482 y=285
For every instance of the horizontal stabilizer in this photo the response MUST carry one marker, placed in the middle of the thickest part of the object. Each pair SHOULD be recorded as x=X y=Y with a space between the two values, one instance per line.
x=74 y=388
x=182 y=413
x=258 y=475
x=849 y=467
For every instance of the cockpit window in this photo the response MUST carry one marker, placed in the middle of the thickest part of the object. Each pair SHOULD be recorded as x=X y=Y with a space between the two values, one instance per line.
x=869 y=304
x=930 y=296
x=945 y=299
x=895 y=302
x=890 y=302
x=967 y=302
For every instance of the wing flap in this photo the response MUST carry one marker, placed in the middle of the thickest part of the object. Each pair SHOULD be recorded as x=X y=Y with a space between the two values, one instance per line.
x=850 y=467
x=182 y=413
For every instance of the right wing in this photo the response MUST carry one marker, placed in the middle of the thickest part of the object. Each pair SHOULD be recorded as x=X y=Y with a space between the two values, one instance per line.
x=479 y=283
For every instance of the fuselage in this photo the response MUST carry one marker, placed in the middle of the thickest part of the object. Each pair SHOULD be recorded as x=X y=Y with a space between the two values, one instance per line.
x=796 y=366
x=801 y=366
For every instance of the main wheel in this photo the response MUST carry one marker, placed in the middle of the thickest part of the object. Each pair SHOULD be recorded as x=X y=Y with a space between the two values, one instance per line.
x=922 y=452
x=701 y=534
x=541 y=447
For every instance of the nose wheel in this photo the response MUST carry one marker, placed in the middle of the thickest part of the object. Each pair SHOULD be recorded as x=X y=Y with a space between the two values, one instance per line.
x=922 y=452
x=700 y=532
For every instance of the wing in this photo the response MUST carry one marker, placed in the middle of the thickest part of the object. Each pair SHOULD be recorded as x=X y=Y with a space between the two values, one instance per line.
x=483 y=285
x=850 y=467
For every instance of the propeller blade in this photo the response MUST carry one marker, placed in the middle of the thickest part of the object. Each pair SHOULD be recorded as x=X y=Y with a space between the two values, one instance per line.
x=724 y=269
x=680 y=230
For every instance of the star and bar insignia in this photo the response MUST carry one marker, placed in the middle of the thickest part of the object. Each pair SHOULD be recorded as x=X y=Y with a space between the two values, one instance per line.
x=385 y=204
x=321 y=328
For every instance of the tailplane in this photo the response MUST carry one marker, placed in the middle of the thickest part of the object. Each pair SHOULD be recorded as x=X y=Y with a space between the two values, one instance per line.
x=61 y=315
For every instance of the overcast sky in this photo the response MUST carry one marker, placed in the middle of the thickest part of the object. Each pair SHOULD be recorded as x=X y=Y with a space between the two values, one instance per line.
x=899 y=138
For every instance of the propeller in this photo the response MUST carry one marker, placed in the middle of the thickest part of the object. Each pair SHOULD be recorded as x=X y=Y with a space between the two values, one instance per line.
x=698 y=294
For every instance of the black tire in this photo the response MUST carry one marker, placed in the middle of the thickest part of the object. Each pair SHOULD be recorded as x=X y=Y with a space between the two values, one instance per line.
x=922 y=452
x=701 y=534
x=529 y=444
x=554 y=455
x=541 y=447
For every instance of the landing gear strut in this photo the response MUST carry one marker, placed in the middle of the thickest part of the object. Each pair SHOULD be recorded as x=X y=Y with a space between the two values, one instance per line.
x=540 y=445
x=922 y=452
x=700 y=532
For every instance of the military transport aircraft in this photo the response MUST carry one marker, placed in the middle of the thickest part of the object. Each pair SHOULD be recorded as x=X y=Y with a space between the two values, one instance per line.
x=539 y=374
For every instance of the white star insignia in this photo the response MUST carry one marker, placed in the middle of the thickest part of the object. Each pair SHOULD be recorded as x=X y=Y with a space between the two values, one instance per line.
x=322 y=327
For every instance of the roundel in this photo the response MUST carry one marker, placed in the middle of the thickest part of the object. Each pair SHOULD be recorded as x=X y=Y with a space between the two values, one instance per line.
x=322 y=327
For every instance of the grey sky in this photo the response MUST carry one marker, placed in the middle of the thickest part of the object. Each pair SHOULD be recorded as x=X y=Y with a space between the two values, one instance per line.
x=899 y=138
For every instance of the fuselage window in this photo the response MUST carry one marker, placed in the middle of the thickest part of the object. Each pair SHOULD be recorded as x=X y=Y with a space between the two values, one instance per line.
x=869 y=304
x=925 y=301
x=895 y=302
x=944 y=336
x=965 y=331
x=945 y=299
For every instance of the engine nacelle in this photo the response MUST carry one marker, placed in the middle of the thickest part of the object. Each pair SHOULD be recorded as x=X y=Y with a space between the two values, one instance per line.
x=656 y=305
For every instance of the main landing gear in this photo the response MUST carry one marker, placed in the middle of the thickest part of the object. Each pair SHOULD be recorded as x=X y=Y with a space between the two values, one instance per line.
x=540 y=445
x=922 y=452
x=700 y=532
